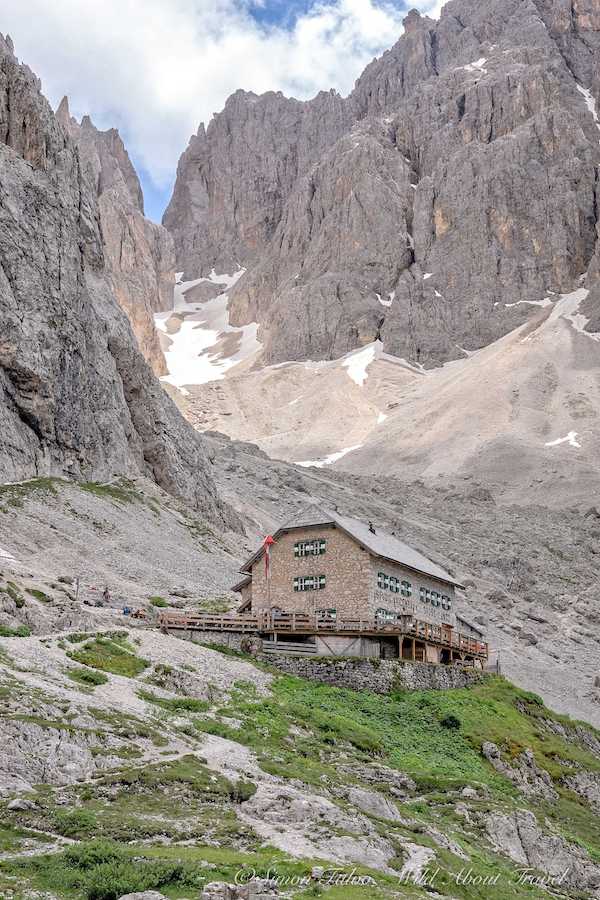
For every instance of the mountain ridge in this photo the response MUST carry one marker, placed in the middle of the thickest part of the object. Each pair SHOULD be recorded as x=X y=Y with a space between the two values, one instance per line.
x=483 y=110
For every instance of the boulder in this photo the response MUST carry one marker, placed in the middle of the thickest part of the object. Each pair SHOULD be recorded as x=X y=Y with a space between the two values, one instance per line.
x=21 y=804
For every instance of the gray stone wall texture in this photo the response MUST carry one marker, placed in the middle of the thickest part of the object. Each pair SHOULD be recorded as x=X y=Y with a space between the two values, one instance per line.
x=379 y=675
x=345 y=565
x=359 y=674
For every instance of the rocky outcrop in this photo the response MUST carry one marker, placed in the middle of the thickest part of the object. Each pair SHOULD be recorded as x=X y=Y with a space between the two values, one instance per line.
x=519 y=836
x=49 y=752
x=587 y=786
x=139 y=254
x=235 y=176
x=299 y=822
x=333 y=259
x=530 y=779
x=258 y=889
x=455 y=185
x=77 y=397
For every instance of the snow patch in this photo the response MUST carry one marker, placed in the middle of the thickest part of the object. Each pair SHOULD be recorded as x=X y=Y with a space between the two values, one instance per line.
x=462 y=350
x=545 y=302
x=570 y=439
x=477 y=66
x=359 y=361
x=427 y=275
x=577 y=319
x=387 y=302
x=590 y=102
x=381 y=418
x=204 y=326
x=437 y=293
x=567 y=307
x=328 y=460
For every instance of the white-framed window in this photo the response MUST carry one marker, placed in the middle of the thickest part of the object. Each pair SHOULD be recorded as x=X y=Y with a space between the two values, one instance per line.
x=424 y=595
x=393 y=584
x=326 y=615
x=446 y=602
x=309 y=582
x=315 y=547
x=385 y=615
x=435 y=598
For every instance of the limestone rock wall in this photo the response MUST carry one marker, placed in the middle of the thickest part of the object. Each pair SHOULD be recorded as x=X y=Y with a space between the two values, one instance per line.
x=235 y=176
x=460 y=176
x=139 y=254
x=77 y=397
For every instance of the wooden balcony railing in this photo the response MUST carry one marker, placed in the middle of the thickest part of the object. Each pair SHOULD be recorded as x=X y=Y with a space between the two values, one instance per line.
x=303 y=623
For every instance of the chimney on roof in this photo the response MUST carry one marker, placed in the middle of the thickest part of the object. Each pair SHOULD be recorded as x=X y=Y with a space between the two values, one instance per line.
x=372 y=528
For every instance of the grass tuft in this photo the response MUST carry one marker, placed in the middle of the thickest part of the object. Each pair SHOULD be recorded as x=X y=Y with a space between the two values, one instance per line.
x=19 y=631
x=87 y=676
x=109 y=655
x=175 y=704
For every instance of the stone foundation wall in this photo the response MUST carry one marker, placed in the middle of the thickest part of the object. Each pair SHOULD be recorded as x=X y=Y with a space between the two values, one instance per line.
x=379 y=675
x=357 y=673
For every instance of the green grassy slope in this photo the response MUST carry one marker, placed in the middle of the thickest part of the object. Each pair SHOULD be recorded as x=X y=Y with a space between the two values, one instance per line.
x=329 y=739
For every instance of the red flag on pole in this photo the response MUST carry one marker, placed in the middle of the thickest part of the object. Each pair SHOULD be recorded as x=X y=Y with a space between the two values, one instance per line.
x=268 y=543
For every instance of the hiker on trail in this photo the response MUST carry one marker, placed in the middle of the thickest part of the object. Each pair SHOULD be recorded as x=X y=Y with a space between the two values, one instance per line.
x=106 y=595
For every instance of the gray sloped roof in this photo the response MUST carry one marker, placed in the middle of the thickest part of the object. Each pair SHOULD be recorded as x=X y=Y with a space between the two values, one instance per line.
x=379 y=543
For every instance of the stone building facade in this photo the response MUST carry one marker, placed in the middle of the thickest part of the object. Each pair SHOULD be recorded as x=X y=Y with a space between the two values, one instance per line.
x=337 y=587
x=337 y=569
x=344 y=565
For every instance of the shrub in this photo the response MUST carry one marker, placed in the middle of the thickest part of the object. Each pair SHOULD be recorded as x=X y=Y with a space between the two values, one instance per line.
x=75 y=822
x=39 y=595
x=451 y=722
x=87 y=676
x=20 y=631
x=158 y=601
x=93 y=853
x=242 y=791
x=111 y=880
x=15 y=595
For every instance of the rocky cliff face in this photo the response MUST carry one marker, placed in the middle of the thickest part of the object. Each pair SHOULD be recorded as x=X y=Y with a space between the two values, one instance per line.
x=139 y=254
x=77 y=397
x=235 y=177
x=459 y=176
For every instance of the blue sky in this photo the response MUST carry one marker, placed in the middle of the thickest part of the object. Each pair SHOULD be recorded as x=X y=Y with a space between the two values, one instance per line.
x=155 y=69
x=281 y=12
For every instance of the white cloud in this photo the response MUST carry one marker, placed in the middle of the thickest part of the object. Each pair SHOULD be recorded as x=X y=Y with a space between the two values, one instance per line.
x=157 y=68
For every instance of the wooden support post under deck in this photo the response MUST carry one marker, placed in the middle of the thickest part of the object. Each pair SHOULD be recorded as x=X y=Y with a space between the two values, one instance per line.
x=414 y=649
